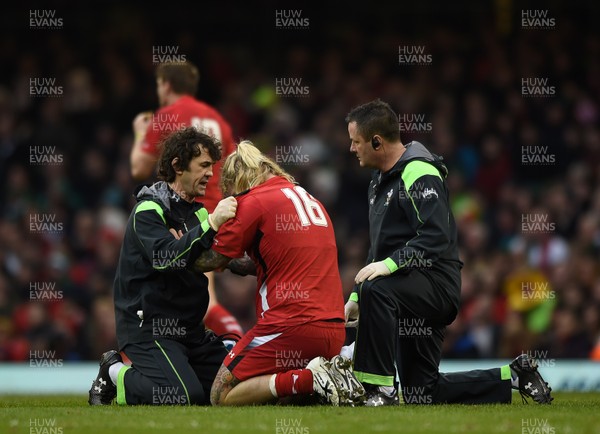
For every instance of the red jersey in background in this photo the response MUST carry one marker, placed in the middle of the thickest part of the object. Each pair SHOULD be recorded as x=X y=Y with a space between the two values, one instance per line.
x=188 y=111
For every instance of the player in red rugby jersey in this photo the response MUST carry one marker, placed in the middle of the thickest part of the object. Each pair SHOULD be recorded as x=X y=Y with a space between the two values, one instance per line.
x=290 y=245
x=176 y=85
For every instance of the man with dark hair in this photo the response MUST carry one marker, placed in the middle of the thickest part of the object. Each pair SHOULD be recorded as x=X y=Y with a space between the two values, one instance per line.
x=176 y=86
x=160 y=299
x=409 y=291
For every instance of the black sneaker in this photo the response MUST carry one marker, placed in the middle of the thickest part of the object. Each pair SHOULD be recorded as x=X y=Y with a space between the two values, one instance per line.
x=531 y=383
x=103 y=391
x=377 y=398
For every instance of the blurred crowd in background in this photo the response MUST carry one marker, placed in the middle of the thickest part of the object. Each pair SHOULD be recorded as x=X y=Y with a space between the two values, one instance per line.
x=529 y=228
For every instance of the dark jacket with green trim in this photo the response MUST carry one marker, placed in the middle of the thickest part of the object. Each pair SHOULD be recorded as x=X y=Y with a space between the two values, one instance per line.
x=154 y=278
x=411 y=225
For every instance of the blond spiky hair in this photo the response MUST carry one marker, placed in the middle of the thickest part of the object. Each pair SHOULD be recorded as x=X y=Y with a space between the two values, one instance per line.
x=247 y=167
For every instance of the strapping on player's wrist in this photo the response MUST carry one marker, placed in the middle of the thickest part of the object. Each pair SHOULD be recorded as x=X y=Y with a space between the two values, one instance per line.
x=212 y=225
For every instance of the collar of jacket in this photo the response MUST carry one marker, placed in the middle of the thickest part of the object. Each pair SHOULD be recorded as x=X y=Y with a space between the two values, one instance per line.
x=414 y=151
x=160 y=193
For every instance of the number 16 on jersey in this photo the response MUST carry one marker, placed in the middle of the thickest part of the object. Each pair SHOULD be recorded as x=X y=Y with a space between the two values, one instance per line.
x=308 y=209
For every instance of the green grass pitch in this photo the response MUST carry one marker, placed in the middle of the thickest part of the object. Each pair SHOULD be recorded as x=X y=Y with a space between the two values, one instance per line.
x=569 y=413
